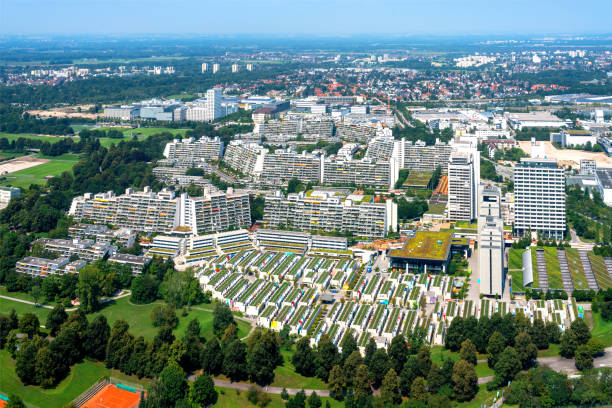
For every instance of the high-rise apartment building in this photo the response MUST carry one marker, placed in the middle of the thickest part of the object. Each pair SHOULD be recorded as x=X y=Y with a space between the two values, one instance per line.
x=204 y=67
x=366 y=172
x=539 y=195
x=328 y=213
x=213 y=106
x=215 y=68
x=249 y=67
x=247 y=158
x=151 y=212
x=205 y=148
x=286 y=164
x=463 y=179
x=235 y=68
x=420 y=157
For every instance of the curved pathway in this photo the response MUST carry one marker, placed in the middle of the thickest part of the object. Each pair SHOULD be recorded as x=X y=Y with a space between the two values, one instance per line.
x=121 y=294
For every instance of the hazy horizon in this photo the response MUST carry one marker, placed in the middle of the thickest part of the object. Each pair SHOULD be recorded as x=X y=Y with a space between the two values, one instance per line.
x=317 y=18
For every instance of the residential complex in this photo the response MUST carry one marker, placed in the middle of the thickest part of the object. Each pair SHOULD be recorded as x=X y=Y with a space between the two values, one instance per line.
x=150 y=212
x=326 y=212
x=539 y=191
x=205 y=148
x=420 y=157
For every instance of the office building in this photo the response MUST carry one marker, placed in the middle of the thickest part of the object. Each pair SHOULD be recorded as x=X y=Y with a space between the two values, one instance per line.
x=205 y=148
x=323 y=212
x=491 y=254
x=539 y=191
x=604 y=184
x=573 y=137
x=7 y=194
x=215 y=68
x=463 y=180
x=161 y=212
x=126 y=112
x=587 y=166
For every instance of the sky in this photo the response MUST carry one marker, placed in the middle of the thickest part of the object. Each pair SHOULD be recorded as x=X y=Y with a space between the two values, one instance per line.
x=306 y=17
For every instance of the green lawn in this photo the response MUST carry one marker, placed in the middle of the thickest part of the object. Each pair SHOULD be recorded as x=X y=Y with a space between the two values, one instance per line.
x=439 y=352
x=483 y=370
x=483 y=397
x=38 y=174
x=599 y=269
x=552 y=266
x=82 y=376
x=230 y=398
x=139 y=319
x=602 y=330
x=436 y=208
x=534 y=268
x=517 y=280
x=576 y=269
x=21 y=308
x=551 y=351
x=515 y=258
x=285 y=376
x=44 y=138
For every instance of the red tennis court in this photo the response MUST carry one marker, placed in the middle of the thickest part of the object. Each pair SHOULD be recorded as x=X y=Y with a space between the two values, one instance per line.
x=113 y=397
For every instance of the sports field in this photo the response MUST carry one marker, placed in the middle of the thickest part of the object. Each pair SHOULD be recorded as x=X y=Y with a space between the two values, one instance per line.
x=51 y=166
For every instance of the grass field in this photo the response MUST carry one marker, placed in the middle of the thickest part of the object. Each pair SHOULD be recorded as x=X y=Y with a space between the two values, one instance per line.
x=551 y=351
x=417 y=179
x=534 y=268
x=482 y=397
x=602 y=330
x=436 y=208
x=576 y=269
x=82 y=376
x=601 y=272
x=21 y=308
x=554 y=270
x=38 y=174
x=515 y=258
x=230 y=398
x=285 y=376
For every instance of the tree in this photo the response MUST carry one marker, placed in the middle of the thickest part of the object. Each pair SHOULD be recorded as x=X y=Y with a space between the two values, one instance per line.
x=389 y=389
x=212 y=356
x=68 y=344
x=25 y=362
x=234 y=360
x=398 y=352
x=568 y=344
x=553 y=332
x=465 y=381
x=88 y=288
x=379 y=365
x=435 y=380
x=447 y=370
x=118 y=344
x=284 y=394
x=96 y=337
x=538 y=334
x=29 y=324
x=348 y=345
x=581 y=331
x=497 y=344
x=222 y=318
x=526 y=350
x=5 y=328
x=293 y=186
x=202 y=392
x=409 y=373
x=336 y=383
x=298 y=400
x=144 y=289
x=164 y=315
x=263 y=356
x=15 y=401
x=370 y=349
x=304 y=358
x=361 y=383
x=193 y=328
x=36 y=293
x=584 y=359
x=314 y=401
x=56 y=318
x=595 y=346
x=174 y=385
x=327 y=357
x=468 y=352
x=507 y=366
x=455 y=334
x=418 y=390
x=45 y=367
x=350 y=367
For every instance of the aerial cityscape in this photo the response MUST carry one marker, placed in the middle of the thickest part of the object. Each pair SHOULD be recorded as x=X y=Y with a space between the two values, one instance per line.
x=276 y=209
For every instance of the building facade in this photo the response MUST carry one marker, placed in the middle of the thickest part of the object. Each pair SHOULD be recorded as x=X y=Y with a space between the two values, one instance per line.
x=539 y=191
x=463 y=179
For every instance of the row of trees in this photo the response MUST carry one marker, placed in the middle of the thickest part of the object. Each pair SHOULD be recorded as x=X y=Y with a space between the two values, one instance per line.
x=12 y=120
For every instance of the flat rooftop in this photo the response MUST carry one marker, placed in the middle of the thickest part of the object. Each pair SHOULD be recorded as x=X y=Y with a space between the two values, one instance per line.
x=605 y=177
x=425 y=245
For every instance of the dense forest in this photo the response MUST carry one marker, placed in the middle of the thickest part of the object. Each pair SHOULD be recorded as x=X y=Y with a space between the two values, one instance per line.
x=14 y=121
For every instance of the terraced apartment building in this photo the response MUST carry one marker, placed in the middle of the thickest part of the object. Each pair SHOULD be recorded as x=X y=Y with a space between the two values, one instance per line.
x=328 y=213
x=205 y=148
x=247 y=158
x=150 y=212
x=420 y=157
x=366 y=172
x=286 y=164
